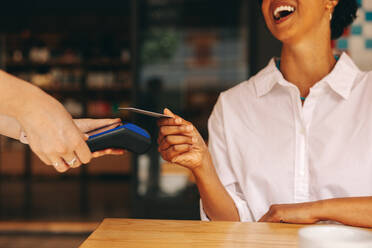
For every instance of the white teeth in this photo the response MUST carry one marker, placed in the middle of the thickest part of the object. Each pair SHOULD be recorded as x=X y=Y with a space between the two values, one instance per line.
x=283 y=8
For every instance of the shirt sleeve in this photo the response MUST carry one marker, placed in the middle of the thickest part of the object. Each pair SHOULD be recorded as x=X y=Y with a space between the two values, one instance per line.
x=219 y=152
x=240 y=204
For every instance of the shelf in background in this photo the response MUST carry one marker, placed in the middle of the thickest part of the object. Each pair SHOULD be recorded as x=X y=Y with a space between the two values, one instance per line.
x=107 y=165
x=91 y=64
x=184 y=205
x=68 y=178
x=88 y=67
x=103 y=168
x=12 y=163
x=86 y=91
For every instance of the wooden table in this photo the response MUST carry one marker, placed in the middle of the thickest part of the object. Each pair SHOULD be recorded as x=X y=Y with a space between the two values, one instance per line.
x=115 y=233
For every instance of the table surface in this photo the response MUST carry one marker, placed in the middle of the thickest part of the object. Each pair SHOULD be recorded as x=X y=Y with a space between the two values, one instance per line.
x=173 y=233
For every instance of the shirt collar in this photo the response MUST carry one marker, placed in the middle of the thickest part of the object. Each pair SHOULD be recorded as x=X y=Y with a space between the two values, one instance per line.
x=265 y=80
x=340 y=79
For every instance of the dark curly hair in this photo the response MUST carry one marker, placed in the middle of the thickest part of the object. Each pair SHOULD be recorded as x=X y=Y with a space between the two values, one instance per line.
x=343 y=15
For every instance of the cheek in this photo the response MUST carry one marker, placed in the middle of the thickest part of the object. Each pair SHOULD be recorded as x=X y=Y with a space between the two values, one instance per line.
x=310 y=20
x=265 y=9
x=312 y=12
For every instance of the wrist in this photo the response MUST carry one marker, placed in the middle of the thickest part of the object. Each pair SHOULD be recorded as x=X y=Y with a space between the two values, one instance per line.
x=32 y=95
x=35 y=103
x=320 y=210
x=205 y=169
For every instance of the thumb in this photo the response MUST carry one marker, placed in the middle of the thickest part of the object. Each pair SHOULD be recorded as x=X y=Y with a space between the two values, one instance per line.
x=95 y=123
x=87 y=125
x=168 y=112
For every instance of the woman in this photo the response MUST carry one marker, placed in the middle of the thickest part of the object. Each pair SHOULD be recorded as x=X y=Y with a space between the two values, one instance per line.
x=52 y=134
x=292 y=144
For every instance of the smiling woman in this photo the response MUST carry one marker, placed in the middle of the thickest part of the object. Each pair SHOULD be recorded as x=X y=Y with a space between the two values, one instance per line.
x=343 y=15
x=291 y=144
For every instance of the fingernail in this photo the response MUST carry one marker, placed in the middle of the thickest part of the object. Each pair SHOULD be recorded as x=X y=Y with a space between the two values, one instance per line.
x=194 y=140
x=178 y=121
x=189 y=128
x=61 y=168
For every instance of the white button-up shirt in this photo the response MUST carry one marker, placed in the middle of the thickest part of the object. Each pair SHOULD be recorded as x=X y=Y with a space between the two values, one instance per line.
x=268 y=148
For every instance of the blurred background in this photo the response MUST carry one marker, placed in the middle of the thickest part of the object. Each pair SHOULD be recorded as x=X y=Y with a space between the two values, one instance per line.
x=96 y=56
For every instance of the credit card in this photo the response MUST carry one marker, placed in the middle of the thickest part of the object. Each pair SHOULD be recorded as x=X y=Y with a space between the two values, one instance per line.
x=145 y=112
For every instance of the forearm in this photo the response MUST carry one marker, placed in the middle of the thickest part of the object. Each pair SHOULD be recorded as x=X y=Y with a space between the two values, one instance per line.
x=217 y=203
x=16 y=95
x=9 y=127
x=353 y=211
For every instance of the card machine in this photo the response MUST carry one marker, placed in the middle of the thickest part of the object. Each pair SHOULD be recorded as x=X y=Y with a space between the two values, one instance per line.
x=127 y=136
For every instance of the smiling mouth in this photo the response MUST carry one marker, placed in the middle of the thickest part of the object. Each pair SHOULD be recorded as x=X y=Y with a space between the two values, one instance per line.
x=281 y=12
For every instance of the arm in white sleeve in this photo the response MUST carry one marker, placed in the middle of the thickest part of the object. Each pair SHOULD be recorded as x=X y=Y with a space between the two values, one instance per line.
x=219 y=152
x=244 y=213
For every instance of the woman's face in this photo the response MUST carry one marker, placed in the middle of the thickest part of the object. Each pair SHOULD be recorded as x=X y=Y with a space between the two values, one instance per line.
x=291 y=21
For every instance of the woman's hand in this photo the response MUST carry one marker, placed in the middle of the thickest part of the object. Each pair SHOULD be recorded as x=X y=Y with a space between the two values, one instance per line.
x=51 y=133
x=86 y=125
x=180 y=142
x=300 y=213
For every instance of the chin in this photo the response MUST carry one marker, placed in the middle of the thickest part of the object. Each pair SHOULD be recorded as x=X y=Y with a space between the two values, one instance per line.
x=287 y=36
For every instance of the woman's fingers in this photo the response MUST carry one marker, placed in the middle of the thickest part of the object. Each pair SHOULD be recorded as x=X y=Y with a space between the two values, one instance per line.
x=170 y=121
x=109 y=151
x=173 y=126
x=71 y=160
x=175 y=151
x=61 y=167
x=174 y=121
x=184 y=158
x=168 y=112
x=36 y=148
x=172 y=140
x=176 y=137
x=181 y=148
x=86 y=125
x=75 y=155
x=115 y=151
x=98 y=154
x=59 y=164
x=43 y=158
x=82 y=151
x=171 y=130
